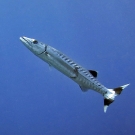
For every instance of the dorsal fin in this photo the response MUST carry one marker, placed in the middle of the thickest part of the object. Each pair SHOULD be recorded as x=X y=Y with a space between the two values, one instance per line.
x=93 y=72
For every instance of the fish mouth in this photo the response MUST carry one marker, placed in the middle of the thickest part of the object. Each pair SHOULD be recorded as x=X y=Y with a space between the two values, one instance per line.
x=22 y=39
x=26 y=41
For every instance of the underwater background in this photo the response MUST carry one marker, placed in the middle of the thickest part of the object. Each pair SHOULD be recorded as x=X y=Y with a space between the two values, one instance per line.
x=36 y=100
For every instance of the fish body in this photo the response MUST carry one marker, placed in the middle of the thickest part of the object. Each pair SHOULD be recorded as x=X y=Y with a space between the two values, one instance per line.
x=86 y=79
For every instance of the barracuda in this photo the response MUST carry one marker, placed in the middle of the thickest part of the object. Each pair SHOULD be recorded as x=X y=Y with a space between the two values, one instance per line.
x=86 y=79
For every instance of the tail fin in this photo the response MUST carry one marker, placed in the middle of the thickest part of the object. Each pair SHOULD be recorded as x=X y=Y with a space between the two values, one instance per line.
x=119 y=89
x=110 y=95
x=107 y=102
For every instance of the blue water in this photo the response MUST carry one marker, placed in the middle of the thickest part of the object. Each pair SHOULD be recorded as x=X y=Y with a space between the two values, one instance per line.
x=98 y=35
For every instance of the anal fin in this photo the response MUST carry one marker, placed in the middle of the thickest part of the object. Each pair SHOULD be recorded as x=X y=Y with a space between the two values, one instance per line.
x=84 y=89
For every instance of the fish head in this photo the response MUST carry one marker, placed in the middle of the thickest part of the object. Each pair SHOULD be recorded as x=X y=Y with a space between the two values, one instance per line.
x=33 y=45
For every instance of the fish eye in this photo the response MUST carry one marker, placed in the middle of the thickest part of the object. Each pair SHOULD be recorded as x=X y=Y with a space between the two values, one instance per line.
x=35 y=41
